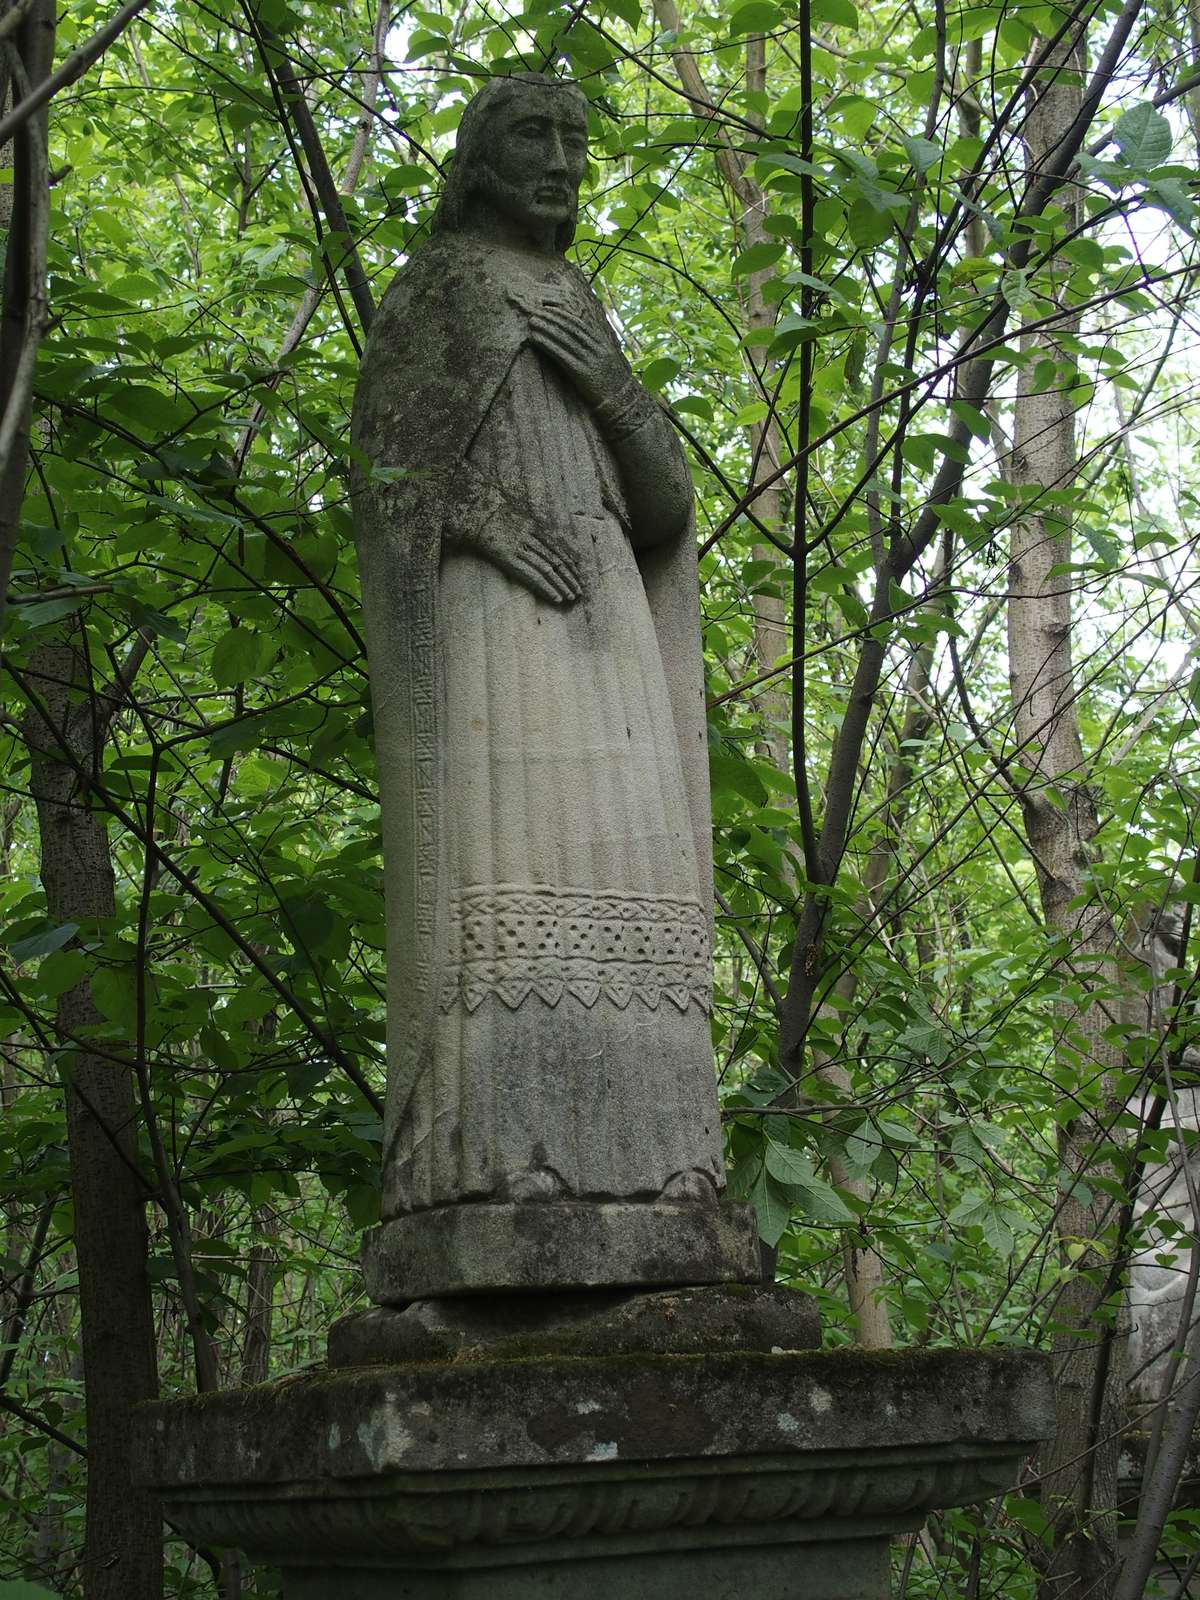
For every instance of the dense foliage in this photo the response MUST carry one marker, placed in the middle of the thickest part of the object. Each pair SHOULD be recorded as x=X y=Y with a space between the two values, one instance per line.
x=815 y=297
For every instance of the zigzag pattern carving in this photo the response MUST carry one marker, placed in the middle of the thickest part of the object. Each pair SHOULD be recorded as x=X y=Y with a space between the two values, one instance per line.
x=516 y=940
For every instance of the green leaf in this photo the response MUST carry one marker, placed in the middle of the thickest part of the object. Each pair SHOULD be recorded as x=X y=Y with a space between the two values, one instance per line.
x=43 y=611
x=658 y=373
x=1107 y=550
x=923 y=153
x=309 y=922
x=759 y=256
x=867 y=225
x=734 y=774
x=816 y=1198
x=152 y=621
x=791 y=331
x=758 y=16
x=17 y=1589
x=1029 y=1512
x=1014 y=286
x=114 y=989
x=238 y=655
x=972 y=1209
x=1173 y=197
x=362 y=1205
x=837 y=13
x=928 y=1039
x=44 y=943
x=772 y=1208
x=790 y=163
x=786 y=1164
x=62 y=970
x=972 y=418
x=895 y=1132
x=1143 y=136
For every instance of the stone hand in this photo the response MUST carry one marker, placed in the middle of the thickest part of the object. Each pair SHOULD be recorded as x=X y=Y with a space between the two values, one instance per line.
x=585 y=351
x=549 y=573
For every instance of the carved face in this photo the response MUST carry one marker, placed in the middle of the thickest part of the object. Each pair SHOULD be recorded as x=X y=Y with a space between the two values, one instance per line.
x=536 y=159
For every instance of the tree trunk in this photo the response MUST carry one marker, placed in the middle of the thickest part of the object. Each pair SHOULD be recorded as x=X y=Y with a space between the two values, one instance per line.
x=770 y=618
x=122 y=1554
x=1080 y=1467
x=260 y=1311
x=53 y=1556
x=23 y=313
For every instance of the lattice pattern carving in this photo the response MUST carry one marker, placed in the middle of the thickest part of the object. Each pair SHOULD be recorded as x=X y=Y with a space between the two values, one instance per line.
x=512 y=941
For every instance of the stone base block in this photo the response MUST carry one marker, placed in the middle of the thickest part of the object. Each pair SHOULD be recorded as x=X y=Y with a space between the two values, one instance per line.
x=688 y=1321
x=776 y=1475
x=855 y=1569
x=558 y=1245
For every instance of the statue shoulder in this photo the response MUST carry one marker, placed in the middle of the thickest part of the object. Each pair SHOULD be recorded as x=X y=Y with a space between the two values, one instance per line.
x=451 y=270
x=442 y=341
x=452 y=291
x=423 y=276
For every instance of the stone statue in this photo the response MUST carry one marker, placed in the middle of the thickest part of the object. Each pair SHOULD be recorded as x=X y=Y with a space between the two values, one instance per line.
x=523 y=518
x=523 y=522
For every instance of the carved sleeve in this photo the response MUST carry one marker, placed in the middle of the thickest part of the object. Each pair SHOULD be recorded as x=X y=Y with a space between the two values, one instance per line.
x=654 y=470
x=468 y=502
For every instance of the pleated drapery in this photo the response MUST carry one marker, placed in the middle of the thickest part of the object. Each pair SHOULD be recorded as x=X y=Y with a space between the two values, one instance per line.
x=577 y=972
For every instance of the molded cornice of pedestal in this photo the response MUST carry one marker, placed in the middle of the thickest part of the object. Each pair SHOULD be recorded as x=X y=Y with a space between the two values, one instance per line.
x=376 y=1461
x=880 y=1491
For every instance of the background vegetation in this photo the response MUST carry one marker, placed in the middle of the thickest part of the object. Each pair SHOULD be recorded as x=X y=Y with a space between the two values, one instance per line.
x=919 y=287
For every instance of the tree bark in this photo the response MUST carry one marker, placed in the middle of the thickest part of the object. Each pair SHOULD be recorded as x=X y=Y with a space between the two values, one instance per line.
x=1080 y=1467
x=122 y=1553
x=260 y=1312
x=770 y=618
x=24 y=302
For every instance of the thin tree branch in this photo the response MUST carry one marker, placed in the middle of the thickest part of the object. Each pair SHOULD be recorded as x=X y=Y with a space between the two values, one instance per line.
x=72 y=68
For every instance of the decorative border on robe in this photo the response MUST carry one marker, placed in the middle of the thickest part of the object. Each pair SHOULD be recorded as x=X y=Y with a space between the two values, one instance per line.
x=514 y=940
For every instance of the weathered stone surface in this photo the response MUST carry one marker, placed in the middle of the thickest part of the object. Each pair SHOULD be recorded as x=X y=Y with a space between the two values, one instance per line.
x=437 y=1472
x=775 y=1565
x=466 y=1249
x=430 y=1418
x=690 y=1321
x=1158 y=1271
x=524 y=531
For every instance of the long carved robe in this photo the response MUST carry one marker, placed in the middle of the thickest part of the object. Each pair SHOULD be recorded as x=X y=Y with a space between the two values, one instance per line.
x=541 y=766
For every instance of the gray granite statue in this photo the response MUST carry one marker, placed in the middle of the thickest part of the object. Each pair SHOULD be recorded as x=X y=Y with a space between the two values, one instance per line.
x=523 y=521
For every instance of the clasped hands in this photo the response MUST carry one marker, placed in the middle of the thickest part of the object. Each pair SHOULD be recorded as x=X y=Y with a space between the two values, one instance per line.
x=581 y=344
x=521 y=545
x=514 y=539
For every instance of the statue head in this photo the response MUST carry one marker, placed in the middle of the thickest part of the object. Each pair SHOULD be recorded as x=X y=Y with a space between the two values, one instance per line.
x=521 y=152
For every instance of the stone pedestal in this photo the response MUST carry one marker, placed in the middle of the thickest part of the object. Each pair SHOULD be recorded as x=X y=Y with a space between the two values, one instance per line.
x=477 y=1249
x=508 y=1471
x=511 y=1422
